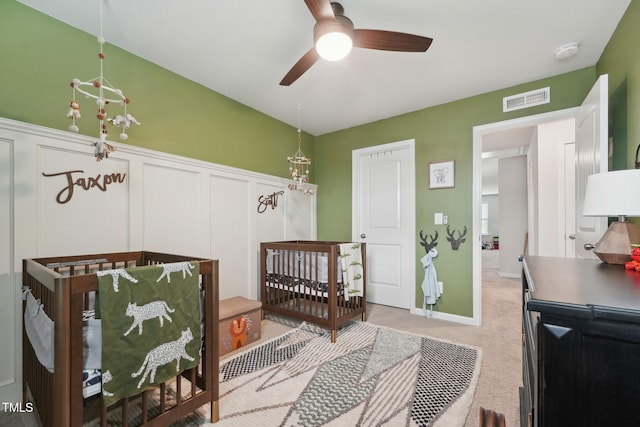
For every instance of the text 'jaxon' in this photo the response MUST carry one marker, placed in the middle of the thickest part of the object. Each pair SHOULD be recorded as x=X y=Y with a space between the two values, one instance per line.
x=101 y=182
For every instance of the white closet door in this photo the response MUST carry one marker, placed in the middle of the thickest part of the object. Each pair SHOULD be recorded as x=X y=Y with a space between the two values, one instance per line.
x=591 y=157
x=384 y=218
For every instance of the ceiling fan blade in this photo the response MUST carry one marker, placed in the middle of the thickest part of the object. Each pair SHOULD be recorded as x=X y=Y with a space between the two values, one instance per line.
x=320 y=9
x=307 y=60
x=390 y=40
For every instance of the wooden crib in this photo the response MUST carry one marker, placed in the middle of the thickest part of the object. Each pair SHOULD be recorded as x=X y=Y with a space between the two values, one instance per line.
x=303 y=280
x=64 y=286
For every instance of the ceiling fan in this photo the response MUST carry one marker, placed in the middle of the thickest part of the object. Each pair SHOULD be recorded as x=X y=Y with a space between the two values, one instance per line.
x=334 y=36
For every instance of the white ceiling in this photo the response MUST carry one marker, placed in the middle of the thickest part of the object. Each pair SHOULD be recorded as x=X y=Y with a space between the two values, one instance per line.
x=243 y=48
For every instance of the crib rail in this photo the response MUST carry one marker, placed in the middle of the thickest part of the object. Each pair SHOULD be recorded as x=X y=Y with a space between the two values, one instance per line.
x=66 y=286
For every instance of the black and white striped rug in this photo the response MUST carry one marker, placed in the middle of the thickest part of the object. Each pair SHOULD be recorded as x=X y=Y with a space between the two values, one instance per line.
x=371 y=376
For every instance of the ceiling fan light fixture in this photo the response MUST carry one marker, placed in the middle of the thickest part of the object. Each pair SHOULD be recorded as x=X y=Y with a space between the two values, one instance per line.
x=334 y=46
x=334 y=39
x=334 y=36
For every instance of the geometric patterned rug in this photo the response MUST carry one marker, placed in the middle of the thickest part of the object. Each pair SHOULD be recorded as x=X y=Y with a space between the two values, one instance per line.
x=371 y=376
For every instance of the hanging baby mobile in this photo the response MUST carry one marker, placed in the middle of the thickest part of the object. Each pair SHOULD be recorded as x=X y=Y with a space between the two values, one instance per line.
x=299 y=166
x=105 y=95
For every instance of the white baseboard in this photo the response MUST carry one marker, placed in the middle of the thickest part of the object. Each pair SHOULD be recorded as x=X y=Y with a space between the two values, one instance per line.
x=448 y=317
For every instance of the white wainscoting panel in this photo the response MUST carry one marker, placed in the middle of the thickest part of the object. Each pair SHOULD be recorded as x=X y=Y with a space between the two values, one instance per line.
x=231 y=238
x=301 y=219
x=9 y=315
x=271 y=222
x=91 y=196
x=164 y=203
x=171 y=210
x=300 y=216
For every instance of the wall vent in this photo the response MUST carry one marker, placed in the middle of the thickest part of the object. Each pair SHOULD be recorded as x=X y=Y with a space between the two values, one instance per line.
x=526 y=100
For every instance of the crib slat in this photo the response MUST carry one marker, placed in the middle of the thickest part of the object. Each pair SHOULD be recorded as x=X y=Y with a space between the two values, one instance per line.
x=76 y=346
x=312 y=306
x=62 y=326
x=103 y=414
x=317 y=309
x=145 y=406
x=306 y=294
x=125 y=412
x=163 y=397
x=178 y=389
x=193 y=374
x=288 y=271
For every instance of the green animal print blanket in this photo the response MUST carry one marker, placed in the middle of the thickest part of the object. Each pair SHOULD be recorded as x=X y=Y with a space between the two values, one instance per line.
x=150 y=326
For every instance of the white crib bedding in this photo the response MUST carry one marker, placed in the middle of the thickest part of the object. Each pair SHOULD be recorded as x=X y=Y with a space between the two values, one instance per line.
x=301 y=264
x=39 y=328
x=91 y=355
x=91 y=382
x=301 y=269
x=292 y=284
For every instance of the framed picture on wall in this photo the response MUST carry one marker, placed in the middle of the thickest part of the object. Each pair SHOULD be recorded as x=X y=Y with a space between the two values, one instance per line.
x=441 y=175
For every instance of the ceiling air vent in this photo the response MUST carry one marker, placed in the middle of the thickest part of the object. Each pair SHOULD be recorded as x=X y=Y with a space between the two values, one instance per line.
x=526 y=100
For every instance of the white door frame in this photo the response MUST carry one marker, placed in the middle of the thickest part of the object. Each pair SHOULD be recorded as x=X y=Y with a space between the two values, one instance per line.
x=478 y=133
x=411 y=204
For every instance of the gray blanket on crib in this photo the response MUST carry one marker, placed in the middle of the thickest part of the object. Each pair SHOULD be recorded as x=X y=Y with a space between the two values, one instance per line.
x=150 y=326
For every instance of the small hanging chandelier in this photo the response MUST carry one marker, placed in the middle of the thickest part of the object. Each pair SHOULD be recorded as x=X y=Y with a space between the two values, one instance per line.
x=104 y=93
x=299 y=166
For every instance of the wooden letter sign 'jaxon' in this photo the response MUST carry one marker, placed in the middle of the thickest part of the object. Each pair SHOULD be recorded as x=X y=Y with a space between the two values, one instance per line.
x=86 y=183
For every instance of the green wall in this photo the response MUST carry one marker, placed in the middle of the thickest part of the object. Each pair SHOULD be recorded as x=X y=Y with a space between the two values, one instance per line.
x=40 y=57
x=444 y=132
x=441 y=133
x=621 y=61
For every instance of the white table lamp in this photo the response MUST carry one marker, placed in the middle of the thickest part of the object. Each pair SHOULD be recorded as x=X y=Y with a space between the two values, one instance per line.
x=614 y=194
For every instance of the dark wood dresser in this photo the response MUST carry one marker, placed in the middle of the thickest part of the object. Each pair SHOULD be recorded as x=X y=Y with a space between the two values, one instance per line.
x=581 y=344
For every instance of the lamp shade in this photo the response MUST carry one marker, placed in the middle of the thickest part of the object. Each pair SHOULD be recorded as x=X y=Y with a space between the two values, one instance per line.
x=613 y=194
